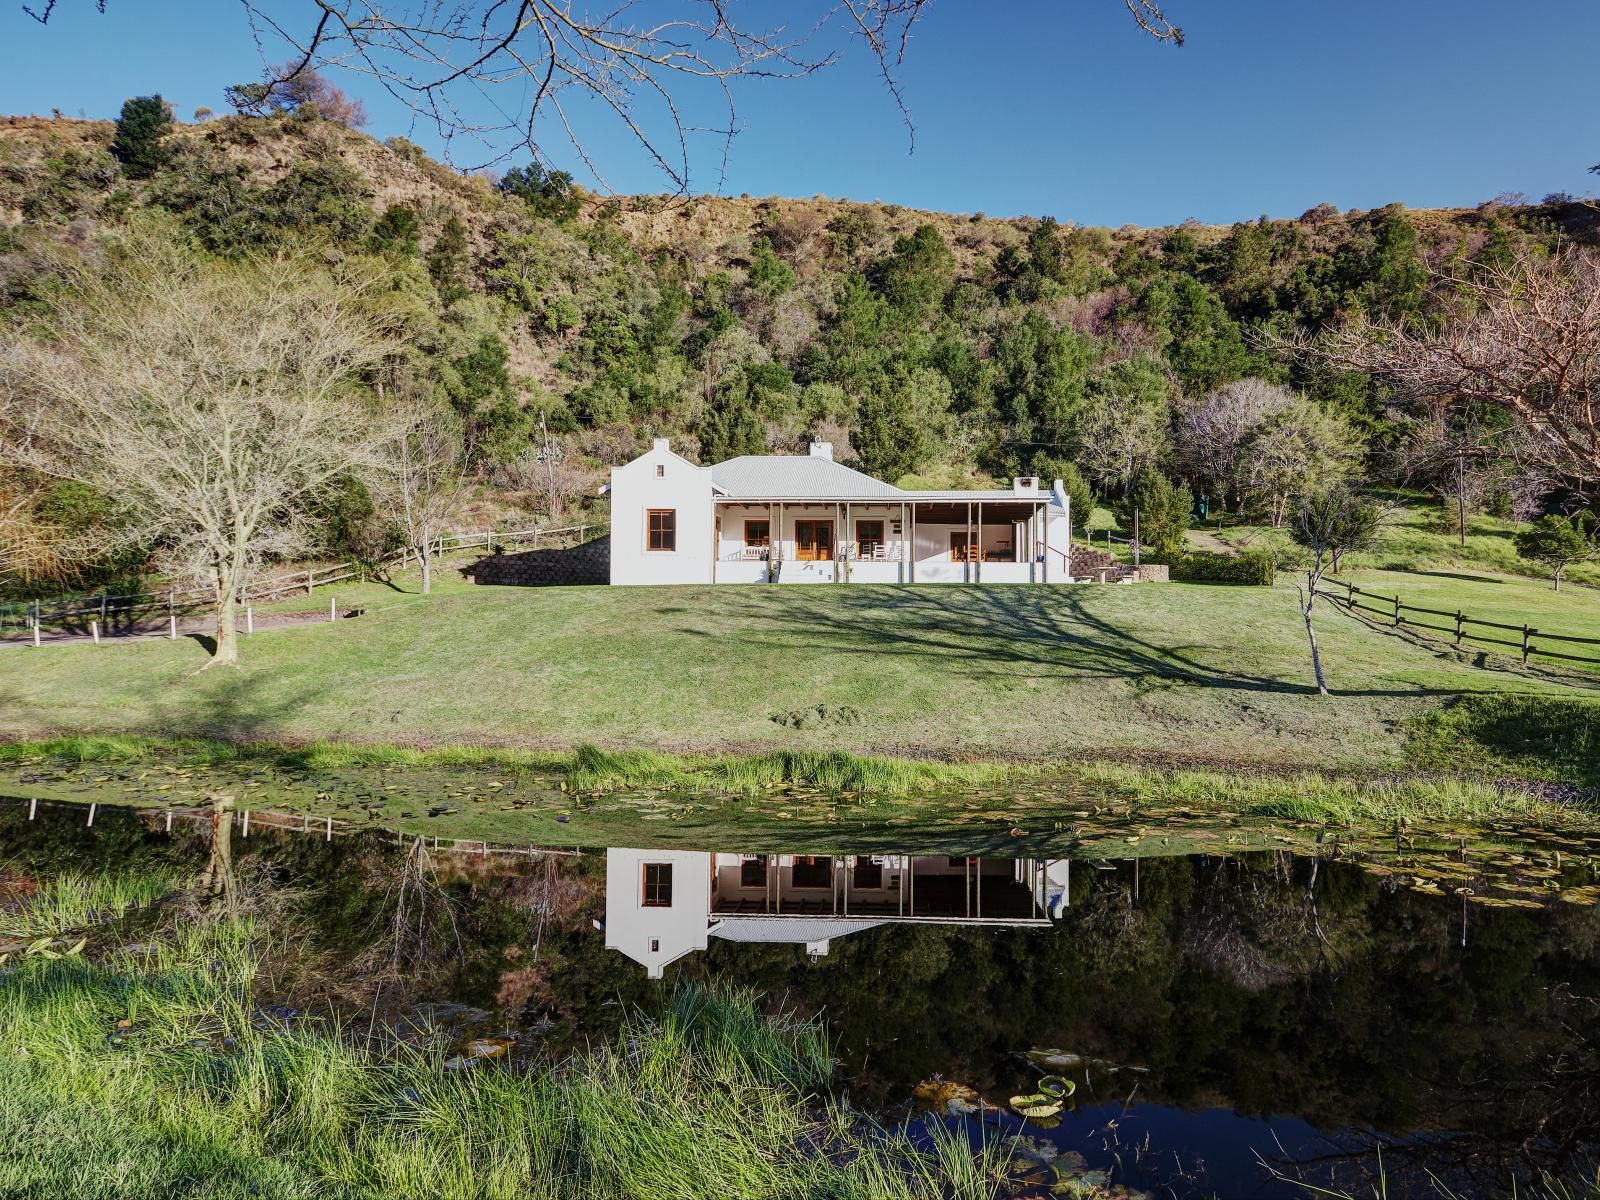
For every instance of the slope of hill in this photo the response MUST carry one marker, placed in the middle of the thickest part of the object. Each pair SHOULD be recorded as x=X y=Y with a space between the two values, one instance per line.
x=953 y=347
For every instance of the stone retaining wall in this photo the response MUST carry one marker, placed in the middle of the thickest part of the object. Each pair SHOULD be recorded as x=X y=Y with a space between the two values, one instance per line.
x=573 y=566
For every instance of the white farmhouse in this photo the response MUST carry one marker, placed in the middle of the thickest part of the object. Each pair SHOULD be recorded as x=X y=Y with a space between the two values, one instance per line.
x=808 y=519
x=664 y=904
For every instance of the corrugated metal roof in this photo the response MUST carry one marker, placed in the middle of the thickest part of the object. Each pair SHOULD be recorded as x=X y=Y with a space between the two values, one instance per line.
x=797 y=477
x=797 y=930
x=772 y=477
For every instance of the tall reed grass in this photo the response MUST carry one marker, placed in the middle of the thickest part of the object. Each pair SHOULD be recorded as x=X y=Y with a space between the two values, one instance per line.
x=708 y=1098
x=75 y=901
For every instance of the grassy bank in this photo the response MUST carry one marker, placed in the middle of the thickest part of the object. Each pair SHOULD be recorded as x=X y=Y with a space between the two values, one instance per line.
x=1197 y=674
x=592 y=797
x=150 y=1074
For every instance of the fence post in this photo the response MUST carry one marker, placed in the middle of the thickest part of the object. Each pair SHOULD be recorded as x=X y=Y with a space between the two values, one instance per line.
x=1527 y=647
x=249 y=619
x=36 y=633
x=328 y=837
x=102 y=608
x=310 y=582
x=1460 y=619
x=1397 y=618
x=1350 y=594
x=333 y=608
x=172 y=627
x=92 y=807
x=94 y=631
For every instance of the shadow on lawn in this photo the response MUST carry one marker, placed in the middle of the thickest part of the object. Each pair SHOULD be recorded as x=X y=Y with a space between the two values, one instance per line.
x=1018 y=631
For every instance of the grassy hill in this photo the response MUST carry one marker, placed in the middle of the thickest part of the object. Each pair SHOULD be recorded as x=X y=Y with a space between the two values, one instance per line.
x=1177 y=673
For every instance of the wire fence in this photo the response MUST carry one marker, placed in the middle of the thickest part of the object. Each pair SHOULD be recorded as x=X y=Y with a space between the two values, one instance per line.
x=1525 y=640
x=114 y=615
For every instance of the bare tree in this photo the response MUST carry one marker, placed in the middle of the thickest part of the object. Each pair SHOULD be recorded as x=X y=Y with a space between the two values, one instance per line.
x=1330 y=524
x=1212 y=433
x=1524 y=337
x=446 y=60
x=1466 y=459
x=422 y=488
x=292 y=88
x=209 y=403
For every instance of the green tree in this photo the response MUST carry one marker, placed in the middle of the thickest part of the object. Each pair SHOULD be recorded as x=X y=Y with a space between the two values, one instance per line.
x=1558 y=542
x=917 y=272
x=770 y=276
x=889 y=438
x=144 y=121
x=396 y=232
x=547 y=193
x=1079 y=494
x=1164 y=509
x=730 y=427
x=447 y=260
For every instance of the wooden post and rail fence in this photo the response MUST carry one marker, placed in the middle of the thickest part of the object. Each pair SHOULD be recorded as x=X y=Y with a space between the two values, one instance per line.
x=1525 y=640
x=92 y=616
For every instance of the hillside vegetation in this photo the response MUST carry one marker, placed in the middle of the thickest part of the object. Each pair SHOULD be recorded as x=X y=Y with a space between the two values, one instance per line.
x=567 y=329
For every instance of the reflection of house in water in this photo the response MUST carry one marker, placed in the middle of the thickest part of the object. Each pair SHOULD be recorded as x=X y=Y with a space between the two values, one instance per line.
x=661 y=904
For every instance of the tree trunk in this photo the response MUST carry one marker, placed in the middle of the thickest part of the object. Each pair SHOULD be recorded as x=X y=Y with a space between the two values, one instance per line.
x=226 y=652
x=1308 y=598
x=427 y=567
x=217 y=880
x=1558 y=579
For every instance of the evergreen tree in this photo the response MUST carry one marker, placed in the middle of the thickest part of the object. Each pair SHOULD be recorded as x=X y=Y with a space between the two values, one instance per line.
x=144 y=121
x=730 y=427
x=1164 y=509
x=547 y=193
x=396 y=232
x=447 y=260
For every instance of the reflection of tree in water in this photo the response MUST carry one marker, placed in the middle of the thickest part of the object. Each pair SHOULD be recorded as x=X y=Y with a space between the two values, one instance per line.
x=1214 y=977
x=1217 y=974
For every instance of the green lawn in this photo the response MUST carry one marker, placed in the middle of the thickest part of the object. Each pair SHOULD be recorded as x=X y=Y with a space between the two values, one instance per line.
x=1412 y=538
x=1186 y=672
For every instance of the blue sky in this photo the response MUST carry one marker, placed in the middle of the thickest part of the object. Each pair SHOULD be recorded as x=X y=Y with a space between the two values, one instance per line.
x=1054 y=107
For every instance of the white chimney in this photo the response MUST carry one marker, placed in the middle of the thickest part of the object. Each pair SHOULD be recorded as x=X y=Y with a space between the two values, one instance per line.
x=1025 y=485
x=822 y=450
x=663 y=444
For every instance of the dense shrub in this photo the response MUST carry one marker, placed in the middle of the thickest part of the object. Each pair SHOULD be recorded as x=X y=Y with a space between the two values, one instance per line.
x=1257 y=567
x=140 y=127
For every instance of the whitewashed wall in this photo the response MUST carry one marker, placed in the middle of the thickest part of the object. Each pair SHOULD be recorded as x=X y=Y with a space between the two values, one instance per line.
x=677 y=930
x=635 y=490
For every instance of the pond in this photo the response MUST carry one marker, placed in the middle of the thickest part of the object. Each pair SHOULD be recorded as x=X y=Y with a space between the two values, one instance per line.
x=1236 y=1024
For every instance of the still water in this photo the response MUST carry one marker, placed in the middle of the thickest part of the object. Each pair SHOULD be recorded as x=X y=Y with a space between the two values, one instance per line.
x=1227 y=1023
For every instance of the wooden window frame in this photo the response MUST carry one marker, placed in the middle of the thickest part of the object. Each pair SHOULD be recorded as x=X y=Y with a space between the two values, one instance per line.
x=881 y=541
x=815 y=523
x=650 y=895
x=650 y=515
x=766 y=539
x=816 y=861
x=749 y=867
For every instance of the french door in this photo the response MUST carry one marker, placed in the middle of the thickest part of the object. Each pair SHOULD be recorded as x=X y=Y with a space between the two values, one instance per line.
x=813 y=541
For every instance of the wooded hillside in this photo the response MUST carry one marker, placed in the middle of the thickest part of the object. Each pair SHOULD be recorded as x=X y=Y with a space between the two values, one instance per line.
x=565 y=330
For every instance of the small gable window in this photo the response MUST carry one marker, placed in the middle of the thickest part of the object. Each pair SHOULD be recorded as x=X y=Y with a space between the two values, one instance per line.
x=661 y=471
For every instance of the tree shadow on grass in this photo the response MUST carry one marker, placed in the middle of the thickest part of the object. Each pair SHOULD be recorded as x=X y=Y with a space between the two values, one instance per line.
x=1019 y=632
